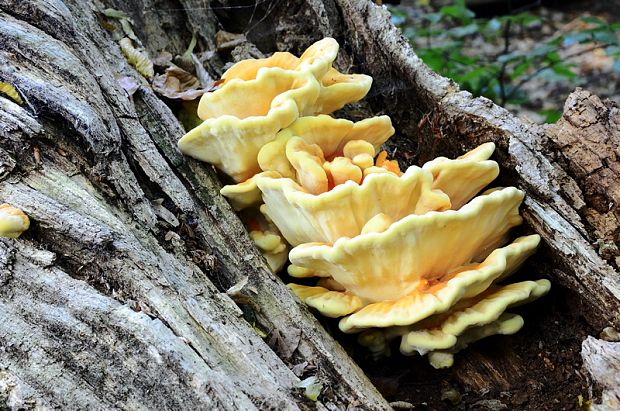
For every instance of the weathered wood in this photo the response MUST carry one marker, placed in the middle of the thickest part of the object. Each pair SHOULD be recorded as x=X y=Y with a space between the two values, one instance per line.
x=602 y=359
x=139 y=247
x=587 y=146
x=69 y=346
x=434 y=118
x=88 y=164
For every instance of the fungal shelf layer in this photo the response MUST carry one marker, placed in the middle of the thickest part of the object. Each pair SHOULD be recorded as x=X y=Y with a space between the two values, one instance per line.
x=411 y=255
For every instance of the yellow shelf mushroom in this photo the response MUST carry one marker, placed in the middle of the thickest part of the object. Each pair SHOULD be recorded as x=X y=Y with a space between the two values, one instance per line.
x=329 y=134
x=271 y=246
x=462 y=178
x=258 y=98
x=428 y=276
x=267 y=239
x=306 y=215
x=469 y=320
x=422 y=264
x=317 y=59
x=246 y=194
x=337 y=89
x=13 y=221
x=506 y=324
x=430 y=296
x=396 y=254
x=245 y=115
x=344 y=210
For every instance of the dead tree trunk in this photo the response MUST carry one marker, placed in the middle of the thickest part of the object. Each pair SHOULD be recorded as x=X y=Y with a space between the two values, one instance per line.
x=115 y=298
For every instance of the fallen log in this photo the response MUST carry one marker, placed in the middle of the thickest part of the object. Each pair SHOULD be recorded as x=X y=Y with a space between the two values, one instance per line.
x=132 y=248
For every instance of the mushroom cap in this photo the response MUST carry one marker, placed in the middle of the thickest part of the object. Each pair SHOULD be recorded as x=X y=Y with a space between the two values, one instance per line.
x=330 y=134
x=431 y=298
x=246 y=194
x=331 y=304
x=416 y=251
x=337 y=89
x=245 y=115
x=480 y=310
x=307 y=160
x=271 y=246
x=465 y=176
x=13 y=221
x=465 y=282
x=344 y=210
x=506 y=324
x=267 y=238
x=317 y=58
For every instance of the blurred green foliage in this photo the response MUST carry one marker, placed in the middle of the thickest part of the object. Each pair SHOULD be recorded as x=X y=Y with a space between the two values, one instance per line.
x=444 y=40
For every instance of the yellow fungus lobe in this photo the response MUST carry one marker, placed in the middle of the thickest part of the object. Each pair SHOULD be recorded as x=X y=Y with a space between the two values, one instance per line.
x=11 y=92
x=137 y=58
x=13 y=221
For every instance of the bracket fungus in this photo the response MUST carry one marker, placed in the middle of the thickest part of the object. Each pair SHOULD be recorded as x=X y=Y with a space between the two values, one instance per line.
x=13 y=221
x=246 y=194
x=258 y=98
x=471 y=319
x=304 y=216
x=418 y=255
x=329 y=134
x=267 y=239
x=242 y=116
x=336 y=89
x=413 y=255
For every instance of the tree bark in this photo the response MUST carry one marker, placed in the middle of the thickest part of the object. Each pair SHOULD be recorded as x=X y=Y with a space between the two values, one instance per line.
x=106 y=302
x=115 y=298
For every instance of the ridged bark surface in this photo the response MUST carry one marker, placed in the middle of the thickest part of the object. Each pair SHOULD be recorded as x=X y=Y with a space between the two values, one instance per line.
x=115 y=298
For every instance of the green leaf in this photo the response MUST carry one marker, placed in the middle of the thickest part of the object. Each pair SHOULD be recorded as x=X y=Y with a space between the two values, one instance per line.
x=555 y=42
x=432 y=59
x=593 y=20
x=551 y=115
x=552 y=57
x=458 y=12
x=451 y=11
x=520 y=69
x=605 y=36
x=527 y=19
x=473 y=74
x=563 y=71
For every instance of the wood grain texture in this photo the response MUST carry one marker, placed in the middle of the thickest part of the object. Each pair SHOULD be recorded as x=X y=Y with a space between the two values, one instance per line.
x=93 y=168
x=132 y=248
x=602 y=359
x=433 y=117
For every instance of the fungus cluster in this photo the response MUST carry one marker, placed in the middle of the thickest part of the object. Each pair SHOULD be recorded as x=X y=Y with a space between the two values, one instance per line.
x=13 y=221
x=414 y=255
